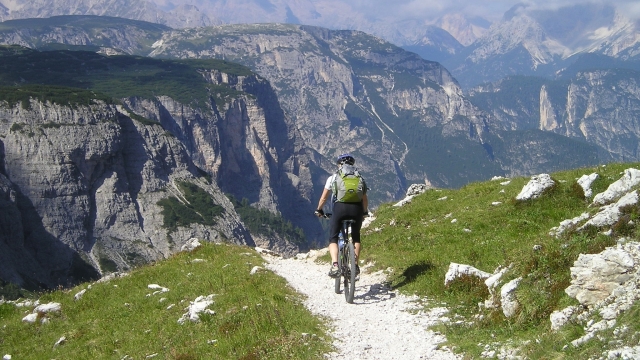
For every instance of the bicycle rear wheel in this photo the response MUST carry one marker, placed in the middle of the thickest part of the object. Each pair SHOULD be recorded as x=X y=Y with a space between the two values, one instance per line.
x=338 y=279
x=349 y=275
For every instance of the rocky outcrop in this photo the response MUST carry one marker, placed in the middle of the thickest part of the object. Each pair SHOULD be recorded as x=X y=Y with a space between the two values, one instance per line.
x=535 y=187
x=595 y=276
x=81 y=186
x=598 y=107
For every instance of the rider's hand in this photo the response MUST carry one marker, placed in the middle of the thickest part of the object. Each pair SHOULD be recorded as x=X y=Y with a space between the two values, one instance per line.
x=319 y=213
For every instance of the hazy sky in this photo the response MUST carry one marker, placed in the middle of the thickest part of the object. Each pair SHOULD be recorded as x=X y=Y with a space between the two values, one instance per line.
x=489 y=9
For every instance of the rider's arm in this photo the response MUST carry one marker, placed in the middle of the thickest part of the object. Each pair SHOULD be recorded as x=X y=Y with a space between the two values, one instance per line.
x=365 y=203
x=323 y=198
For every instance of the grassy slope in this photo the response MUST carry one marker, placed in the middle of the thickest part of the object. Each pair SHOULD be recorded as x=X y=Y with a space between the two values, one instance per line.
x=260 y=317
x=421 y=239
x=257 y=316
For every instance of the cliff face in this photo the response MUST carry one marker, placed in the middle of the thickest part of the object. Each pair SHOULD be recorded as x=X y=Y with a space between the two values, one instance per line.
x=599 y=107
x=249 y=146
x=81 y=186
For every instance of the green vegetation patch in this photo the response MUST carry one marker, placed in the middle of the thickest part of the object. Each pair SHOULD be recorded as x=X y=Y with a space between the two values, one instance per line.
x=197 y=207
x=115 y=76
x=264 y=222
x=481 y=224
x=256 y=316
x=60 y=95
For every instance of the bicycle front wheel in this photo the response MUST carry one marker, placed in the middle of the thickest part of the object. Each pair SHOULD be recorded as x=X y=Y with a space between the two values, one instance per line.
x=349 y=276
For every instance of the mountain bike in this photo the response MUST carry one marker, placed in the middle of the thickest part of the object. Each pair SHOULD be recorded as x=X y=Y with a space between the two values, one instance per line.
x=346 y=261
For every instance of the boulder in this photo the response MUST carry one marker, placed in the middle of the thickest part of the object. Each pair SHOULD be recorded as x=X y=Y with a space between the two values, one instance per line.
x=417 y=189
x=629 y=179
x=535 y=187
x=595 y=276
x=585 y=182
x=508 y=299
x=562 y=317
x=610 y=214
x=458 y=270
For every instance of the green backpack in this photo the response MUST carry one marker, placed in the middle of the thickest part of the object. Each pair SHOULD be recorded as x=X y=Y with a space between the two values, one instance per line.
x=349 y=185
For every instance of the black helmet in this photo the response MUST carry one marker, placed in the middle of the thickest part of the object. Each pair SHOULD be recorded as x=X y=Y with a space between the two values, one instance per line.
x=346 y=159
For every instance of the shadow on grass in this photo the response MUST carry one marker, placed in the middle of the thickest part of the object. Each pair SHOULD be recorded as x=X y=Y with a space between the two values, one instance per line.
x=411 y=273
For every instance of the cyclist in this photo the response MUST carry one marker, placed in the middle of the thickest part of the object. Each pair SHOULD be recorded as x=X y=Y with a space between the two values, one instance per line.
x=343 y=211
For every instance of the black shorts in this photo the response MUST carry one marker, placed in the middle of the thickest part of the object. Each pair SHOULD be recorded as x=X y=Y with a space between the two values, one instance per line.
x=346 y=211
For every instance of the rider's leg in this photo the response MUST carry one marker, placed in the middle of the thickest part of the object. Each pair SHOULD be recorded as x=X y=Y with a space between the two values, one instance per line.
x=357 y=247
x=333 y=250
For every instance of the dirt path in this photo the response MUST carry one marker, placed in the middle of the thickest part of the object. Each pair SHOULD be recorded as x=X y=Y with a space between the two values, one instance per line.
x=377 y=325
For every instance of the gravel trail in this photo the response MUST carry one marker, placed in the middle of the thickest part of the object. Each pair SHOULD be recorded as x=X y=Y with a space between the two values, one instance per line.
x=378 y=325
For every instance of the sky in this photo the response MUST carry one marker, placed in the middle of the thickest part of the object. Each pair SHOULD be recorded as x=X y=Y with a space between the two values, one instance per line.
x=489 y=9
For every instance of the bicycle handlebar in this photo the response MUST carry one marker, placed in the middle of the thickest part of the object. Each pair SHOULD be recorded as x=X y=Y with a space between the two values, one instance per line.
x=328 y=215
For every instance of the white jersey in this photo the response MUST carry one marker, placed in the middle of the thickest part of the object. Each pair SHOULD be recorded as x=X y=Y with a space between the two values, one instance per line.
x=328 y=185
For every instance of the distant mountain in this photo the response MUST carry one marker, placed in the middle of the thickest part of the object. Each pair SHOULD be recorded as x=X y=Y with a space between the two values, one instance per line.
x=597 y=106
x=174 y=16
x=527 y=41
x=430 y=40
x=544 y=42
x=465 y=30
x=405 y=117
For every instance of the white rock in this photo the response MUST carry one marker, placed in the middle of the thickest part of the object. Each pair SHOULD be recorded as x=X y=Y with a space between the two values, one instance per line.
x=157 y=287
x=48 y=308
x=198 y=306
x=567 y=224
x=190 y=245
x=60 y=341
x=255 y=270
x=561 y=318
x=367 y=221
x=585 y=182
x=404 y=201
x=493 y=280
x=535 y=187
x=609 y=214
x=629 y=179
x=624 y=353
x=27 y=303
x=31 y=318
x=508 y=299
x=416 y=189
x=492 y=283
x=79 y=295
x=458 y=270
x=595 y=276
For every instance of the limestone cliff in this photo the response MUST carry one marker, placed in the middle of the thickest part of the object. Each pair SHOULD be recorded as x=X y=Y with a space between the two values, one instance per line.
x=80 y=186
x=598 y=107
x=249 y=146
